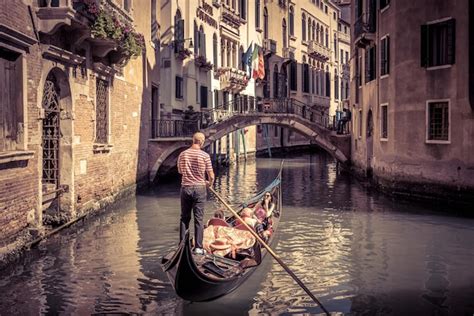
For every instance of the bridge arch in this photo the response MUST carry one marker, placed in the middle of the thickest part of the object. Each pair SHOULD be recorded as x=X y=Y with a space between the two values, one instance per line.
x=337 y=146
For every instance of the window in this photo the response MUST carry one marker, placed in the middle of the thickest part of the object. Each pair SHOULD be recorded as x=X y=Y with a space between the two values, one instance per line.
x=155 y=111
x=293 y=76
x=292 y=21
x=284 y=34
x=155 y=38
x=257 y=13
x=384 y=3
x=438 y=43
x=102 y=111
x=179 y=87
x=275 y=81
x=385 y=56
x=313 y=34
x=334 y=15
x=327 y=38
x=243 y=9
x=438 y=121
x=197 y=91
x=216 y=98
x=328 y=83
x=265 y=23
x=309 y=29
x=326 y=9
x=127 y=5
x=336 y=85
x=303 y=27
x=242 y=62
x=360 y=123
x=305 y=76
x=347 y=57
x=203 y=97
x=202 y=42
x=197 y=42
x=214 y=50
x=370 y=64
x=11 y=101
x=178 y=32
x=384 y=121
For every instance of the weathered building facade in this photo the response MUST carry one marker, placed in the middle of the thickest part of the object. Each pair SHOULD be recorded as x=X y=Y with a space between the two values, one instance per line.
x=412 y=95
x=77 y=82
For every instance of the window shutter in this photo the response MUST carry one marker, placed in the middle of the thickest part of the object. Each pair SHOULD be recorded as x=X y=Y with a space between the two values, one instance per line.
x=424 y=46
x=382 y=57
x=387 y=55
x=179 y=36
x=451 y=40
x=367 y=65
x=202 y=49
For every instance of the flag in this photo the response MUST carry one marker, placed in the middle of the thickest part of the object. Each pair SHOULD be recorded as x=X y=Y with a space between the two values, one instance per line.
x=255 y=61
x=246 y=59
x=261 y=64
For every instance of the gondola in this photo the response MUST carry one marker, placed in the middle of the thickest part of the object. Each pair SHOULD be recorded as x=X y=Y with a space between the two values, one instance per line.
x=199 y=278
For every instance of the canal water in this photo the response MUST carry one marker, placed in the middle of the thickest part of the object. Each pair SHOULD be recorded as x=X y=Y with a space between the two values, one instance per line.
x=361 y=253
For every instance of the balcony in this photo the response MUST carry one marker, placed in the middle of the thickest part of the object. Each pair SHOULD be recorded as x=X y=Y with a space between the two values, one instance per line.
x=231 y=16
x=269 y=46
x=364 y=30
x=319 y=51
x=91 y=21
x=289 y=53
x=202 y=63
x=54 y=14
x=320 y=101
x=232 y=79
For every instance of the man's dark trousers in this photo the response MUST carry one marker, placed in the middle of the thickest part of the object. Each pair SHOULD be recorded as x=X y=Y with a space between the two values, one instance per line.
x=193 y=198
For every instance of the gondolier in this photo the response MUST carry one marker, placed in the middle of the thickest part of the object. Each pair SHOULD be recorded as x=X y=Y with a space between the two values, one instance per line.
x=193 y=165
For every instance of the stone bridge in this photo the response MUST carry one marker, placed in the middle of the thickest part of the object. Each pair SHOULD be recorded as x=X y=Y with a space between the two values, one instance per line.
x=315 y=129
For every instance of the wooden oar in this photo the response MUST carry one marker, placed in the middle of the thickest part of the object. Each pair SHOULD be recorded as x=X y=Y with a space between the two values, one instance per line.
x=274 y=255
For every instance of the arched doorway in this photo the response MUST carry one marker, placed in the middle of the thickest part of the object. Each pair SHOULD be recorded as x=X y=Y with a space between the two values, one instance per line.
x=56 y=149
x=369 y=143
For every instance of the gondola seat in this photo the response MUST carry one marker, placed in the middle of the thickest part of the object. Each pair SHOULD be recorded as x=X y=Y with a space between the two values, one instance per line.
x=217 y=222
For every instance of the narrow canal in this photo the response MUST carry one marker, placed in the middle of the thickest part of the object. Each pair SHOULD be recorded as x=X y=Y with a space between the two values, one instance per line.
x=360 y=252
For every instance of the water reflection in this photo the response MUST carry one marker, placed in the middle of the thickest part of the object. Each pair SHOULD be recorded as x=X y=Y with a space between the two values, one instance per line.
x=359 y=252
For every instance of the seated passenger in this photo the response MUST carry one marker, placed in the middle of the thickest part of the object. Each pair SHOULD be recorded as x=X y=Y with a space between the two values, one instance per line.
x=217 y=219
x=248 y=217
x=264 y=208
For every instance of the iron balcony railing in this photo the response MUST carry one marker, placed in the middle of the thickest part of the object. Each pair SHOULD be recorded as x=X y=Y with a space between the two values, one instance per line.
x=173 y=128
x=364 y=24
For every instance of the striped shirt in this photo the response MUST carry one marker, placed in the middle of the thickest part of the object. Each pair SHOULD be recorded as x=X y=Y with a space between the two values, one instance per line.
x=193 y=165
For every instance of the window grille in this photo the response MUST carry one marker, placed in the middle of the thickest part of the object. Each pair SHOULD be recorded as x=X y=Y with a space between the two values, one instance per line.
x=101 y=110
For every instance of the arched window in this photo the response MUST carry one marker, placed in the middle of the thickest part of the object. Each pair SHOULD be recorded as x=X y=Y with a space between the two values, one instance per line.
x=178 y=32
x=284 y=34
x=241 y=59
x=265 y=23
x=303 y=27
x=202 y=42
x=257 y=13
x=292 y=21
x=243 y=9
x=321 y=34
x=317 y=32
x=327 y=37
x=309 y=29
x=314 y=31
x=214 y=49
x=336 y=84
x=196 y=39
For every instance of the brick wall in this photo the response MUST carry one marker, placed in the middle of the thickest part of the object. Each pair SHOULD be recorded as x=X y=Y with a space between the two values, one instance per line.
x=19 y=179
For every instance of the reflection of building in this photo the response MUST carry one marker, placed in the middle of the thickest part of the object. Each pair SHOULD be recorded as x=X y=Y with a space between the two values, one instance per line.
x=410 y=131
x=77 y=80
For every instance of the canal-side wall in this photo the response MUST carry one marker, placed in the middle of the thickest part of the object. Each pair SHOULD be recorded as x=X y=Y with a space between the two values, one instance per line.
x=92 y=175
x=19 y=172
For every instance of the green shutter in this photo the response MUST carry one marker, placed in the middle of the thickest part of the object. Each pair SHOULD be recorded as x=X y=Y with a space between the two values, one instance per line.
x=451 y=40
x=424 y=46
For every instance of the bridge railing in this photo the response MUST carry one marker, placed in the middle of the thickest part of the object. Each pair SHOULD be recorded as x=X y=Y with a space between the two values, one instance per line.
x=174 y=128
x=208 y=118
